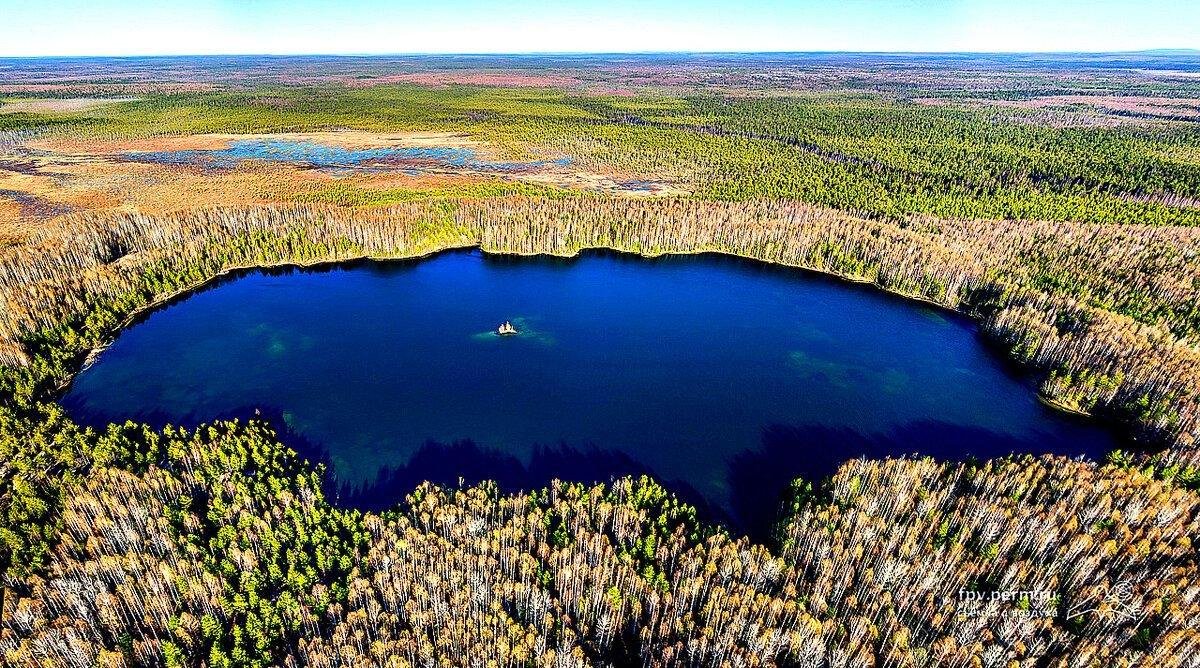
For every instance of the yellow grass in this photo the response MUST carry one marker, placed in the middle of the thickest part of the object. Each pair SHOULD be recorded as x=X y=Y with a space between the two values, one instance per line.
x=88 y=175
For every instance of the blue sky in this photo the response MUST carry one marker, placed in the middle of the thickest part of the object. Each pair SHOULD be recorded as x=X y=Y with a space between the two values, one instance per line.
x=139 y=27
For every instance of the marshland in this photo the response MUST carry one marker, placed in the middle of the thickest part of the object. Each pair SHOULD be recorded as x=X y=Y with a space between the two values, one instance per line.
x=706 y=449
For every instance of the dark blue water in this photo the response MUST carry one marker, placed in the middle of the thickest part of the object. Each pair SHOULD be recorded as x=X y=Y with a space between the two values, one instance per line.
x=313 y=154
x=722 y=377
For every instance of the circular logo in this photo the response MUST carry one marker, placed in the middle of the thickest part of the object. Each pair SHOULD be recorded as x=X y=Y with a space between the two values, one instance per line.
x=1122 y=591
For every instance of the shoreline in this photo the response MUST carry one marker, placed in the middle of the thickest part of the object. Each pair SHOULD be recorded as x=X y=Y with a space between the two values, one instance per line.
x=1063 y=407
x=89 y=356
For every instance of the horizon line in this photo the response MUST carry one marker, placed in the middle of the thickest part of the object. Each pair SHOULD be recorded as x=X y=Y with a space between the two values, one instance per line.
x=688 y=52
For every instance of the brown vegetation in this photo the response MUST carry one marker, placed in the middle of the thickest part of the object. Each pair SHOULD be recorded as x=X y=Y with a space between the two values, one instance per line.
x=1172 y=108
x=50 y=176
x=476 y=78
x=59 y=105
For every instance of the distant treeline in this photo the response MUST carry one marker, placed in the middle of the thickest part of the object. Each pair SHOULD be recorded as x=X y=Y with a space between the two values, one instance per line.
x=1071 y=235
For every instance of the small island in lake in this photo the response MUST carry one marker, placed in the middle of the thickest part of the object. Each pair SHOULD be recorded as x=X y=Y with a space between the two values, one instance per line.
x=506 y=329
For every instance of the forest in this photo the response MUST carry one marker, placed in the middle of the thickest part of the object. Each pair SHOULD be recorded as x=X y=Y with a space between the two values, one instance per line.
x=217 y=547
x=1068 y=231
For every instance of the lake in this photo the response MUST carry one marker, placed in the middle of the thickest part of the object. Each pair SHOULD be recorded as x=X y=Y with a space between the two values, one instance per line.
x=723 y=378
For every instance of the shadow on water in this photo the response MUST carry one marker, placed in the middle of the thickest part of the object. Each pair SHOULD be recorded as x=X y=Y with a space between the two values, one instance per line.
x=451 y=464
x=759 y=478
x=473 y=464
x=467 y=463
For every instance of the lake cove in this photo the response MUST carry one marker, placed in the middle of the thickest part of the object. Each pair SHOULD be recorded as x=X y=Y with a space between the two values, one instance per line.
x=722 y=377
